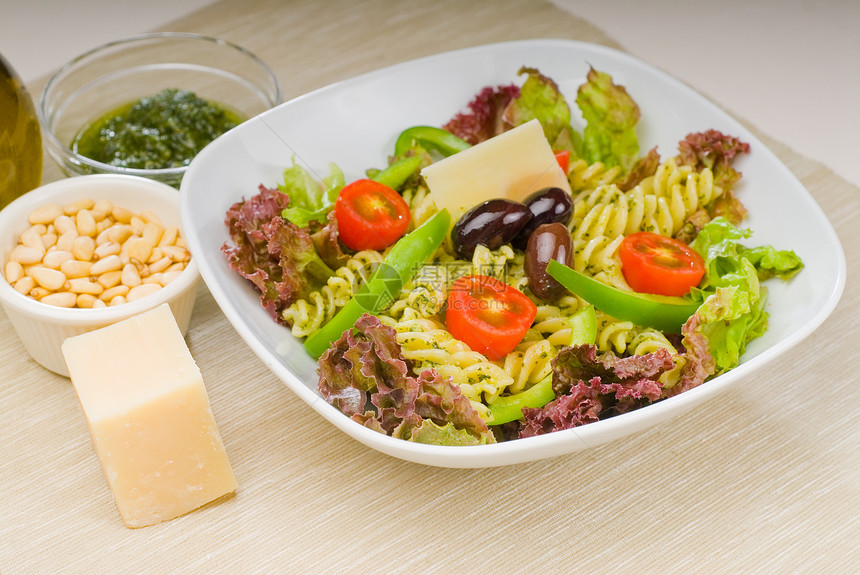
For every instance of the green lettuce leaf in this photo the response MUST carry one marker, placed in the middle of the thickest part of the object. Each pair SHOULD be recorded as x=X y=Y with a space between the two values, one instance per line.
x=310 y=199
x=541 y=99
x=611 y=116
x=732 y=313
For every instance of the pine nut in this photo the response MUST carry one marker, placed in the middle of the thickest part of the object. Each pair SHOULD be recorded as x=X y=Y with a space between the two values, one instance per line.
x=76 y=269
x=113 y=292
x=160 y=265
x=107 y=264
x=46 y=277
x=49 y=240
x=27 y=255
x=139 y=249
x=32 y=236
x=155 y=255
x=84 y=247
x=178 y=266
x=106 y=249
x=56 y=258
x=102 y=209
x=168 y=238
x=66 y=241
x=24 y=285
x=45 y=214
x=142 y=290
x=121 y=214
x=98 y=304
x=118 y=300
x=60 y=299
x=130 y=275
x=85 y=223
x=110 y=279
x=152 y=232
x=176 y=253
x=73 y=208
x=84 y=285
x=150 y=217
x=13 y=272
x=64 y=223
x=153 y=278
x=119 y=233
x=137 y=224
x=38 y=292
x=85 y=300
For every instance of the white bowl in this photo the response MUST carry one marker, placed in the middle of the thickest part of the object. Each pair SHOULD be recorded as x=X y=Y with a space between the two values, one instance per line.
x=43 y=327
x=354 y=124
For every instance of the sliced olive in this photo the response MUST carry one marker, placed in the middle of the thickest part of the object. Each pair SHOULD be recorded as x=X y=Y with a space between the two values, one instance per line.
x=547 y=242
x=546 y=206
x=493 y=224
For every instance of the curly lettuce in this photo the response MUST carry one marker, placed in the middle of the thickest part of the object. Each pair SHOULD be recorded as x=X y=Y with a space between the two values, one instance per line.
x=610 y=113
x=732 y=313
x=365 y=376
x=310 y=199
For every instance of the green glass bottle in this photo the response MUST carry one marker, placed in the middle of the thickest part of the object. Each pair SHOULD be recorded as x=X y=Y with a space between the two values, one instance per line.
x=20 y=138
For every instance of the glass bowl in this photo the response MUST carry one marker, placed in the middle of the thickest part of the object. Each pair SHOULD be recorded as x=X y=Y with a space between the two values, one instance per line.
x=120 y=72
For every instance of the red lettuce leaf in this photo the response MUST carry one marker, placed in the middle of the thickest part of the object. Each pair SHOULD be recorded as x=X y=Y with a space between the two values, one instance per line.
x=717 y=151
x=590 y=387
x=364 y=375
x=484 y=118
x=276 y=256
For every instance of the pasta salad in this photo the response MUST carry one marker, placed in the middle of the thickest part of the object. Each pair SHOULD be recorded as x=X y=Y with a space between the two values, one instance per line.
x=625 y=282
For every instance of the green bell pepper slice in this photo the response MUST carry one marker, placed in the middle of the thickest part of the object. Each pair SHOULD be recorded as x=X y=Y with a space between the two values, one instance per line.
x=664 y=313
x=510 y=407
x=401 y=263
x=397 y=173
x=583 y=326
x=430 y=138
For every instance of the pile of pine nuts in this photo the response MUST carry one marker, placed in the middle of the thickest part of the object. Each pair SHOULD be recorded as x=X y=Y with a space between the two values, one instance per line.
x=92 y=254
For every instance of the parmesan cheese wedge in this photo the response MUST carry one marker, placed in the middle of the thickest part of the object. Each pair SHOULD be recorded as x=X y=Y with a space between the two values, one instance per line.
x=149 y=417
x=511 y=165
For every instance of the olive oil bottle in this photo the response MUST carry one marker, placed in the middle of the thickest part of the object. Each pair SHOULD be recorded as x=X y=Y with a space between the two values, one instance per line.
x=20 y=138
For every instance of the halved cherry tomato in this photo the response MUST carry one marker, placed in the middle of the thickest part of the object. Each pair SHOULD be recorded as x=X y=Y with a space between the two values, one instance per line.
x=563 y=159
x=656 y=264
x=370 y=215
x=488 y=315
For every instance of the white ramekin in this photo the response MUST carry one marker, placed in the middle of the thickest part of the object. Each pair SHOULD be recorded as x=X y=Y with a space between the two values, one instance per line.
x=42 y=328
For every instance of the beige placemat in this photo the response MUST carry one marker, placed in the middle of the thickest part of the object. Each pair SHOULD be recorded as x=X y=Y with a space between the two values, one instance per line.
x=762 y=479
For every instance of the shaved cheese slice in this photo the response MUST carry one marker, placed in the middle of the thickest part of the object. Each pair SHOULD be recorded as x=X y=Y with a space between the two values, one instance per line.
x=511 y=165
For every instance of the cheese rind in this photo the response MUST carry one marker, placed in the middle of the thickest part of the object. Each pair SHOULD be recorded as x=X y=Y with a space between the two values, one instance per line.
x=149 y=418
x=510 y=165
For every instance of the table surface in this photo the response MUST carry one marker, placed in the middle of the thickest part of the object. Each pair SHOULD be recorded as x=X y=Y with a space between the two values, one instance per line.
x=762 y=479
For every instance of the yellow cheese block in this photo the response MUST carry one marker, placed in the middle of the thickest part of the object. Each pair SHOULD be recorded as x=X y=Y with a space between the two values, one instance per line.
x=511 y=165
x=149 y=417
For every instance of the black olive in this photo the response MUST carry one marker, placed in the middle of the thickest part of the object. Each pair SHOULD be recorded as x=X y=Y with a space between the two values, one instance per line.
x=547 y=206
x=547 y=242
x=493 y=224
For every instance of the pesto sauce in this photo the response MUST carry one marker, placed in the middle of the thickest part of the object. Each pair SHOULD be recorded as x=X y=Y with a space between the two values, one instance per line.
x=156 y=132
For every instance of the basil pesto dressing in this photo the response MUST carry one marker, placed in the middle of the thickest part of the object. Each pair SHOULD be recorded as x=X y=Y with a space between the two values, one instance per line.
x=155 y=132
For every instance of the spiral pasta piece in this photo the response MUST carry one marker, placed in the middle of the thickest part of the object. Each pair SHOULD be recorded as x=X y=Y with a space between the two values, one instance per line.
x=307 y=315
x=420 y=203
x=584 y=176
x=427 y=344
x=529 y=366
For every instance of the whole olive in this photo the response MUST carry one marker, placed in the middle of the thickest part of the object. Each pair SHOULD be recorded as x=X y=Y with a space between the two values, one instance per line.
x=547 y=205
x=547 y=242
x=493 y=224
